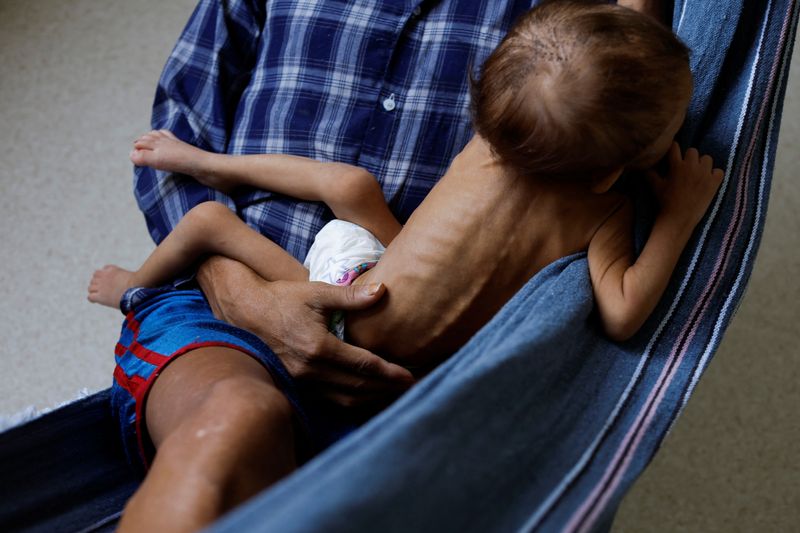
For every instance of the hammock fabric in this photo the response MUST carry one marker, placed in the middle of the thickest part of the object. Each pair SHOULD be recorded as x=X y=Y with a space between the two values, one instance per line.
x=539 y=422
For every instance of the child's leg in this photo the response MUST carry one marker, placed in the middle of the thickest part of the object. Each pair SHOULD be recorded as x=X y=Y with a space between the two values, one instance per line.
x=108 y=285
x=208 y=228
x=352 y=193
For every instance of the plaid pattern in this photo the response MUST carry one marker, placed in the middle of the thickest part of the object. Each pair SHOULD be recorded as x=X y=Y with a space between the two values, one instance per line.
x=382 y=85
x=539 y=423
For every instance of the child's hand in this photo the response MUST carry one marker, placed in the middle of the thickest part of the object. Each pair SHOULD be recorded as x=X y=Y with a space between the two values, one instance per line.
x=160 y=149
x=689 y=187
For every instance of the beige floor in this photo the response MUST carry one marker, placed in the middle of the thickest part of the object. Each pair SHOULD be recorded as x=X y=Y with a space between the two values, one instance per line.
x=76 y=83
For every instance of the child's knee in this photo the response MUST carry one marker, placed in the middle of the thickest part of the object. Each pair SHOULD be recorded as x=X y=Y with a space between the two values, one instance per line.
x=208 y=214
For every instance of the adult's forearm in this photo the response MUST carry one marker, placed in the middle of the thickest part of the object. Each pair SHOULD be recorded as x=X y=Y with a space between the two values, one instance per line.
x=223 y=282
x=292 y=319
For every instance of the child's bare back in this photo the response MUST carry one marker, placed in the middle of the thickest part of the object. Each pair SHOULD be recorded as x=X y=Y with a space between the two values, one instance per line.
x=480 y=234
x=574 y=95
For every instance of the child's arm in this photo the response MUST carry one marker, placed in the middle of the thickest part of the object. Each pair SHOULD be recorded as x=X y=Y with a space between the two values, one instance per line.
x=208 y=228
x=627 y=289
x=352 y=193
x=654 y=8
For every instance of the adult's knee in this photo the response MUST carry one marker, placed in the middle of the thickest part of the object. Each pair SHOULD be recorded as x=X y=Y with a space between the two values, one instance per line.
x=237 y=416
x=243 y=403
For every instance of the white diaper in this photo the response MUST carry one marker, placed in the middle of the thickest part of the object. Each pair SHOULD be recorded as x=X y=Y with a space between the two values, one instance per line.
x=341 y=252
x=339 y=248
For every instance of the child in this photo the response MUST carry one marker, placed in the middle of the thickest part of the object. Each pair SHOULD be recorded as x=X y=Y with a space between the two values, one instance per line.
x=211 y=228
x=574 y=95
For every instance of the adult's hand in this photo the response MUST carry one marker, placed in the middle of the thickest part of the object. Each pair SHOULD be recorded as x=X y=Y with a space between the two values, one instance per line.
x=292 y=319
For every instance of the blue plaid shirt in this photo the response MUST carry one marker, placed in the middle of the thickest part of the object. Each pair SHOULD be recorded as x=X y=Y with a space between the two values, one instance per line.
x=379 y=84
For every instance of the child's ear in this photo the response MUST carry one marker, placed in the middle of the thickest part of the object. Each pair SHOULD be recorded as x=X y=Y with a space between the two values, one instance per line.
x=603 y=180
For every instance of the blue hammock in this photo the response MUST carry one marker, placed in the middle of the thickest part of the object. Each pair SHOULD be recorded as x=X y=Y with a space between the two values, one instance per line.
x=539 y=422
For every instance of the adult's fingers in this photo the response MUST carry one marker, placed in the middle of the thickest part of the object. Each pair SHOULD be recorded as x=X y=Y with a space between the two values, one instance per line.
x=347 y=298
x=363 y=362
x=707 y=163
x=374 y=402
x=692 y=155
x=346 y=380
x=674 y=155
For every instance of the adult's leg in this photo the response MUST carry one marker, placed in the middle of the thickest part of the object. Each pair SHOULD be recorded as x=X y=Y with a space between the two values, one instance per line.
x=222 y=430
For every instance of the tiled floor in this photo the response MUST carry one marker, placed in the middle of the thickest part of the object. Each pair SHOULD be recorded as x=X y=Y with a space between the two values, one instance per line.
x=76 y=83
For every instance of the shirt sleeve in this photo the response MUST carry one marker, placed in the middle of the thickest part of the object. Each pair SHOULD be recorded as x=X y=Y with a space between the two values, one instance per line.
x=196 y=99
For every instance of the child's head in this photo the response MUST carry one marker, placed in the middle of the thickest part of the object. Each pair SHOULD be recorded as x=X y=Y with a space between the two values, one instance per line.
x=577 y=89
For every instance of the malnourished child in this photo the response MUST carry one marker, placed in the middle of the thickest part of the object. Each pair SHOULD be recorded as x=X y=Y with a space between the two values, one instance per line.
x=576 y=94
x=572 y=97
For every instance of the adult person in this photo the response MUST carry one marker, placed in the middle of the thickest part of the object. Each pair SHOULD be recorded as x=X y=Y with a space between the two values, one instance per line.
x=380 y=85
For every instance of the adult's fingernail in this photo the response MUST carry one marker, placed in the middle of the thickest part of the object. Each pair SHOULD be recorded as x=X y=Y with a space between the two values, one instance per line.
x=372 y=289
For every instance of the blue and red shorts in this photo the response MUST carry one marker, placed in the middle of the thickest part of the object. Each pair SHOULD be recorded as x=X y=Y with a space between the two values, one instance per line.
x=163 y=324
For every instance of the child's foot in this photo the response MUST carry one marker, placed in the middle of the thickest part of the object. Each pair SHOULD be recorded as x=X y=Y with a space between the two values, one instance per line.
x=108 y=285
x=161 y=150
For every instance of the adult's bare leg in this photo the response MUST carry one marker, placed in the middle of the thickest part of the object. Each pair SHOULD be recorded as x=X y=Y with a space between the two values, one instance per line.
x=222 y=430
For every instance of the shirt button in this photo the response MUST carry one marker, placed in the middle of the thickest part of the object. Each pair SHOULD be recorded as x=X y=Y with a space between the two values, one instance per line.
x=389 y=103
x=417 y=10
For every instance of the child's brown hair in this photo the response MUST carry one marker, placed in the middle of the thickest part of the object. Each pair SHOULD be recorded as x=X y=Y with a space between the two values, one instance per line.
x=579 y=88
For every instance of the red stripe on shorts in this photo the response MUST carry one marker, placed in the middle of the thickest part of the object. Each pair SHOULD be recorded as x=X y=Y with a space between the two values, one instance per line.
x=132 y=384
x=140 y=352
